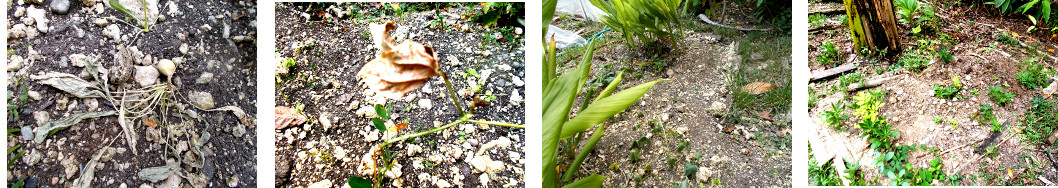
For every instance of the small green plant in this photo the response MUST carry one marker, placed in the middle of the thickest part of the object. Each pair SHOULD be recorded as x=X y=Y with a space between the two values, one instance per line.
x=1007 y=39
x=988 y=117
x=908 y=11
x=645 y=20
x=867 y=103
x=1033 y=75
x=144 y=24
x=945 y=56
x=835 y=115
x=817 y=20
x=844 y=19
x=948 y=92
x=938 y=120
x=828 y=54
x=1000 y=95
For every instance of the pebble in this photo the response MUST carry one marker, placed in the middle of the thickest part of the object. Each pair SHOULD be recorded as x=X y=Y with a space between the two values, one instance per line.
x=204 y=78
x=41 y=117
x=325 y=120
x=17 y=31
x=238 y=131
x=425 y=103
x=19 y=11
x=39 y=16
x=442 y=184
x=414 y=149
x=15 y=63
x=112 y=32
x=233 y=181
x=202 y=100
x=184 y=48
x=518 y=31
x=78 y=60
x=518 y=81
x=60 y=6
x=101 y=22
x=27 y=133
x=71 y=167
x=322 y=184
x=32 y=158
x=146 y=75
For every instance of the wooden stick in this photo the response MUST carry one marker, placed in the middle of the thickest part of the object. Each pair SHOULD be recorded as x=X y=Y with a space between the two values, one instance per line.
x=833 y=71
x=867 y=84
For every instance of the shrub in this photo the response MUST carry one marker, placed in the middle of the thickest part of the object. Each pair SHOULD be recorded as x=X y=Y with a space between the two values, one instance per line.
x=1000 y=95
x=948 y=92
x=1033 y=75
x=645 y=20
x=828 y=54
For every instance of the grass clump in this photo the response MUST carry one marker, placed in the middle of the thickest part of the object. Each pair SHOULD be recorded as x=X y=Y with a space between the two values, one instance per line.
x=817 y=20
x=914 y=62
x=1040 y=120
x=835 y=115
x=988 y=117
x=1033 y=75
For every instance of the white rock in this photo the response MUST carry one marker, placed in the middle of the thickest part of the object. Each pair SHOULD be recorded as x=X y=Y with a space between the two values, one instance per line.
x=17 y=31
x=200 y=99
x=442 y=184
x=413 y=149
x=146 y=76
x=322 y=184
x=78 y=60
x=204 y=78
x=41 y=117
x=184 y=48
x=425 y=103
x=517 y=81
x=19 y=11
x=112 y=32
x=40 y=16
x=15 y=63
x=101 y=22
x=394 y=172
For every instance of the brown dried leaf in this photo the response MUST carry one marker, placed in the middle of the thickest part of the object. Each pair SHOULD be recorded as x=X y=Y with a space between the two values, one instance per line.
x=766 y=115
x=286 y=117
x=398 y=69
x=757 y=88
x=149 y=121
x=243 y=118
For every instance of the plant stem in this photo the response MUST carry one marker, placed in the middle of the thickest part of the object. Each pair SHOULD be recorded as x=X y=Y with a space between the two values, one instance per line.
x=451 y=93
x=418 y=134
x=505 y=124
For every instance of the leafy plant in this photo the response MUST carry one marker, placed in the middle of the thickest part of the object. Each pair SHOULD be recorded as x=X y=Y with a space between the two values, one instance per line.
x=867 y=103
x=835 y=115
x=945 y=55
x=988 y=117
x=645 y=20
x=915 y=62
x=560 y=92
x=503 y=13
x=1000 y=95
x=828 y=54
x=145 y=26
x=948 y=92
x=909 y=9
x=878 y=132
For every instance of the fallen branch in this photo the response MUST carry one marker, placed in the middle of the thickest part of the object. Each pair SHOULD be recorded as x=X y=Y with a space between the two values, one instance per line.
x=959 y=167
x=867 y=84
x=706 y=20
x=833 y=71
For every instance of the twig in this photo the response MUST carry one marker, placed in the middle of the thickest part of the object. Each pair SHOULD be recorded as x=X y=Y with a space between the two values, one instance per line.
x=959 y=168
x=451 y=93
x=497 y=123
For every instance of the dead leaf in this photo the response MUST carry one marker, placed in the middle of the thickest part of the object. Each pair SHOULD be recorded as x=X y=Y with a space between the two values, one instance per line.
x=43 y=131
x=397 y=127
x=1029 y=41
x=149 y=121
x=154 y=174
x=397 y=69
x=287 y=117
x=1050 y=50
x=729 y=128
x=243 y=118
x=757 y=88
x=1010 y=173
x=766 y=115
x=69 y=83
x=85 y=180
x=1015 y=34
x=1019 y=131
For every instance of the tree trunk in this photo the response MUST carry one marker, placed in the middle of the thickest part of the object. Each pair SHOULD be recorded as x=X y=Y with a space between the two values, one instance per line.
x=873 y=25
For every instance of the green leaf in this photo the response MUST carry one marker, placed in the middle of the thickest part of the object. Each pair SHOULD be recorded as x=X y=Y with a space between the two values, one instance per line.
x=358 y=182
x=382 y=112
x=379 y=124
x=557 y=102
x=605 y=108
x=548 y=14
x=590 y=181
x=584 y=151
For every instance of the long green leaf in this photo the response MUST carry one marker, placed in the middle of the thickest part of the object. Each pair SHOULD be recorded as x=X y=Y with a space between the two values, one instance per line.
x=558 y=101
x=605 y=108
x=548 y=14
x=358 y=182
x=584 y=151
x=116 y=4
x=590 y=181
x=609 y=88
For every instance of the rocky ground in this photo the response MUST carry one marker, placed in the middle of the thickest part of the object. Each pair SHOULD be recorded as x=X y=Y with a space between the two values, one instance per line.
x=947 y=125
x=209 y=47
x=329 y=44
x=729 y=146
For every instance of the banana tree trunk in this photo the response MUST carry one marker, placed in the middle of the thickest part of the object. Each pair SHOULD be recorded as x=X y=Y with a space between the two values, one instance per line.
x=873 y=25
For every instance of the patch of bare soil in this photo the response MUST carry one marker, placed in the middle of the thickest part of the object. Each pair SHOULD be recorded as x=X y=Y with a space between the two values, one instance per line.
x=689 y=109
x=327 y=150
x=912 y=109
x=214 y=33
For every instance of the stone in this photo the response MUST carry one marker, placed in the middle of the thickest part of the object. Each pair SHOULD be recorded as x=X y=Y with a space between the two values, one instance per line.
x=146 y=76
x=204 y=78
x=32 y=158
x=15 y=62
x=325 y=120
x=17 y=31
x=60 y=6
x=518 y=31
x=425 y=103
x=41 y=117
x=40 y=17
x=27 y=132
x=112 y=32
x=414 y=149
x=233 y=181
x=322 y=184
x=71 y=167
x=184 y=48
x=518 y=81
x=101 y=22
x=200 y=99
x=78 y=60
x=238 y=131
